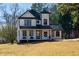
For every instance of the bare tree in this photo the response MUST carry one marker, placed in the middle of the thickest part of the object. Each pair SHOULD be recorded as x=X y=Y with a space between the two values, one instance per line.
x=11 y=13
x=5 y=15
x=14 y=8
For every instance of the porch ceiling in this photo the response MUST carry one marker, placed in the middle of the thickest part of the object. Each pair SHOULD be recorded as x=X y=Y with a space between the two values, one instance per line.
x=35 y=27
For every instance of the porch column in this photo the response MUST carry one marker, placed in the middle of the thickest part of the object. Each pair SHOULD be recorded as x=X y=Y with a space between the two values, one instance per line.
x=20 y=34
x=27 y=35
x=60 y=34
x=34 y=33
x=54 y=34
x=50 y=34
x=42 y=35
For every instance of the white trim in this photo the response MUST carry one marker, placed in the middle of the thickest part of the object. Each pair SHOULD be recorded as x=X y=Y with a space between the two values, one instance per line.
x=54 y=33
x=60 y=34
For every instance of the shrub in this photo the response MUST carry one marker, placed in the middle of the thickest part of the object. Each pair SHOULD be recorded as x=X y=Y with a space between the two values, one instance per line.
x=9 y=33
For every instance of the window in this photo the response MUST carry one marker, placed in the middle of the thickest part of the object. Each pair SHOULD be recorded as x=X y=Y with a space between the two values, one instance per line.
x=45 y=21
x=57 y=33
x=27 y=22
x=38 y=33
x=24 y=33
x=45 y=34
x=37 y=22
x=52 y=33
x=30 y=32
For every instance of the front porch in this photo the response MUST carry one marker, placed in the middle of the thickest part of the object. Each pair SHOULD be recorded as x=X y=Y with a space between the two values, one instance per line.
x=37 y=34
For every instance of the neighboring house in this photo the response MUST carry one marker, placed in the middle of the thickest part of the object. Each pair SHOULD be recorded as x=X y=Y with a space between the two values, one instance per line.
x=32 y=25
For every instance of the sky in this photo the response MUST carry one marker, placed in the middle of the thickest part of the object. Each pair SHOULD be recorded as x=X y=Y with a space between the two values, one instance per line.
x=26 y=5
x=22 y=5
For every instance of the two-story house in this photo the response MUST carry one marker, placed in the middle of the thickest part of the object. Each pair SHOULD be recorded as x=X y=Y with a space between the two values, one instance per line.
x=32 y=25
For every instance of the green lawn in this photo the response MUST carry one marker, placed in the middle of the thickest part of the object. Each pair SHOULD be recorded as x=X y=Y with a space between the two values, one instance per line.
x=65 y=48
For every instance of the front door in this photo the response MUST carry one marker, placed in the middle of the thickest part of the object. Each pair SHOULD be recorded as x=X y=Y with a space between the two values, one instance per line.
x=38 y=34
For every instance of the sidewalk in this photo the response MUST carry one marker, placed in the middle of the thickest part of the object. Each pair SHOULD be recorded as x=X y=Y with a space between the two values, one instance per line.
x=76 y=39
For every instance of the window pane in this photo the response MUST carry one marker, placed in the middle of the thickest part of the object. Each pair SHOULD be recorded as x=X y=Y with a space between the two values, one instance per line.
x=24 y=33
x=45 y=21
x=27 y=22
x=30 y=32
x=38 y=33
x=57 y=33
x=45 y=34
x=52 y=33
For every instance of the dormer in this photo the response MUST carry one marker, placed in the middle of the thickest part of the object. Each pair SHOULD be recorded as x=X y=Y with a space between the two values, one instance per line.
x=45 y=17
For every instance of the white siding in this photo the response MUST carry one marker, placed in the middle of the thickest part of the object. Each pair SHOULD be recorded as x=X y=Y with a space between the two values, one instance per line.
x=18 y=24
x=33 y=23
x=45 y=16
x=20 y=35
x=21 y=22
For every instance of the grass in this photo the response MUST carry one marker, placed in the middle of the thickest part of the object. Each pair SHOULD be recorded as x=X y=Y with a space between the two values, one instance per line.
x=65 y=48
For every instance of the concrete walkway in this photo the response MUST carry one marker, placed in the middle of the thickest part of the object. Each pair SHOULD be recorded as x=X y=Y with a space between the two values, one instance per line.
x=76 y=39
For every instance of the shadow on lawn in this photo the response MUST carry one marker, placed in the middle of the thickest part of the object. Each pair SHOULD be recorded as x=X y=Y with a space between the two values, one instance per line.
x=36 y=41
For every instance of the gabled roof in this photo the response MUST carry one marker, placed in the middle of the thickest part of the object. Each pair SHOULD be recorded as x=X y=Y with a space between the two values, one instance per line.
x=36 y=14
x=33 y=12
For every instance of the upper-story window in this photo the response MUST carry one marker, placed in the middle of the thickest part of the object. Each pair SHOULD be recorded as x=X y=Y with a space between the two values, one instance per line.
x=27 y=22
x=52 y=33
x=45 y=21
x=38 y=22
